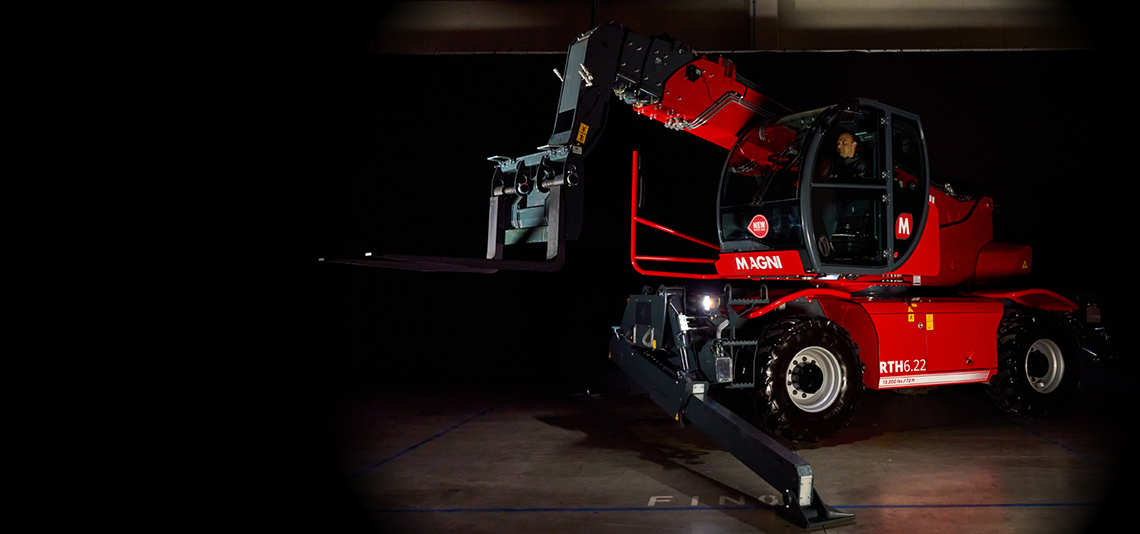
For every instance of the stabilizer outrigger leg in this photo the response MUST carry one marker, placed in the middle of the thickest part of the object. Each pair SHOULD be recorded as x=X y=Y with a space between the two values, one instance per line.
x=677 y=393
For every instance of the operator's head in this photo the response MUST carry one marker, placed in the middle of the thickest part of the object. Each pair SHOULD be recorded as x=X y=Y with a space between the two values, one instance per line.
x=846 y=145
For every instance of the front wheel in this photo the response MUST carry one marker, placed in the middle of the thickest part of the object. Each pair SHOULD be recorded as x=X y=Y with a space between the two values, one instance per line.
x=812 y=378
x=1037 y=365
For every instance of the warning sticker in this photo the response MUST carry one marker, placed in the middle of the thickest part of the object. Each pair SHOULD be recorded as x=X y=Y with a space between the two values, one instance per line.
x=582 y=129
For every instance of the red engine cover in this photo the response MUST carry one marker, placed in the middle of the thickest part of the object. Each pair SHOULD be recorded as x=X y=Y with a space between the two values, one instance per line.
x=921 y=342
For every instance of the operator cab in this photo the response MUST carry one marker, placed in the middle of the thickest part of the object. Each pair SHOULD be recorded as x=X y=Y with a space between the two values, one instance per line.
x=846 y=185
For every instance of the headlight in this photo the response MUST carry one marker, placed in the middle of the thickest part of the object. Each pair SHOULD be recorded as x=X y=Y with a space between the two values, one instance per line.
x=710 y=303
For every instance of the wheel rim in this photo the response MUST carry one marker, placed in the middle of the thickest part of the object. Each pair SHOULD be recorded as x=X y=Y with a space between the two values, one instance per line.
x=1044 y=366
x=813 y=379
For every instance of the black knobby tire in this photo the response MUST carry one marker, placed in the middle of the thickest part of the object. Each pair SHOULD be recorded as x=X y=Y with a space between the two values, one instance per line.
x=812 y=378
x=1038 y=367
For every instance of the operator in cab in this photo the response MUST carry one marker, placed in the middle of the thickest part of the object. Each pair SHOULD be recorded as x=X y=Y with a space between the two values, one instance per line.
x=851 y=164
x=848 y=167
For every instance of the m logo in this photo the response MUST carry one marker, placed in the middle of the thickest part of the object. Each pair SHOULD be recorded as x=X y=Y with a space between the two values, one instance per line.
x=903 y=226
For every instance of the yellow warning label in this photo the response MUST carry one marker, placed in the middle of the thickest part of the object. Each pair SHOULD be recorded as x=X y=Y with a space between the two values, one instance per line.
x=910 y=317
x=1024 y=264
x=930 y=321
x=582 y=129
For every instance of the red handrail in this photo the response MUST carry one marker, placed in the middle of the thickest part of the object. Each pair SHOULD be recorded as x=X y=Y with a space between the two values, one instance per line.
x=633 y=257
x=674 y=259
x=652 y=224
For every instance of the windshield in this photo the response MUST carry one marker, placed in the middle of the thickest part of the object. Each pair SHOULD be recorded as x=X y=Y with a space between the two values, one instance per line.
x=761 y=183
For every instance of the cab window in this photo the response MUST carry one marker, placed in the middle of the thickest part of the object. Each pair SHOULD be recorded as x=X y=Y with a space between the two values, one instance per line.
x=761 y=179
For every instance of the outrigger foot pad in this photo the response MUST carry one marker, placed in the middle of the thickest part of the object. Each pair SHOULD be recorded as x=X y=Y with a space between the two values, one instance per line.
x=816 y=515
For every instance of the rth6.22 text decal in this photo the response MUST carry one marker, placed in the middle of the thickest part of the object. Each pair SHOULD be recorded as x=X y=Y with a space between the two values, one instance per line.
x=903 y=366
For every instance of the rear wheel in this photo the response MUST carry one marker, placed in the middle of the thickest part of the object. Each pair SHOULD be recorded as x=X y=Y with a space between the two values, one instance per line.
x=1037 y=365
x=812 y=378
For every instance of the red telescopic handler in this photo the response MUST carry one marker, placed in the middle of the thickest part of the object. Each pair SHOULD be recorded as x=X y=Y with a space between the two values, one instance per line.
x=874 y=268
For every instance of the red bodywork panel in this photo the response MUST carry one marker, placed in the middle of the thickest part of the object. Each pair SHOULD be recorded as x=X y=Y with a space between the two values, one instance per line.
x=968 y=255
x=1042 y=299
x=921 y=342
x=998 y=261
x=964 y=228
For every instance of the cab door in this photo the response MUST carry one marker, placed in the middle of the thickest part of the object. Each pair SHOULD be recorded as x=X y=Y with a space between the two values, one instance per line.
x=909 y=183
x=863 y=189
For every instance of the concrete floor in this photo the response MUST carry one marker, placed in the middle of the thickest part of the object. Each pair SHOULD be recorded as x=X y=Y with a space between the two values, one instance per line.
x=512 y=460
